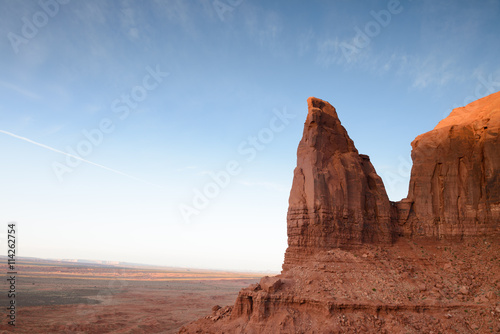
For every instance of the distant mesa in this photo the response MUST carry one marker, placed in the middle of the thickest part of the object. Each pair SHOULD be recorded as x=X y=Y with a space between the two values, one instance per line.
x=358 y=262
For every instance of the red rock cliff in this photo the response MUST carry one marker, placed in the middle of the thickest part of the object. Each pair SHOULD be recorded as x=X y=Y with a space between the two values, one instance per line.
x=337 y=198
x=455 y=179
x=343 y=270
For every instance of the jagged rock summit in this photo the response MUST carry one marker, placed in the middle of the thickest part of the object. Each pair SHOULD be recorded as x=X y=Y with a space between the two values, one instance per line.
x=337 y=198
x=358 y=263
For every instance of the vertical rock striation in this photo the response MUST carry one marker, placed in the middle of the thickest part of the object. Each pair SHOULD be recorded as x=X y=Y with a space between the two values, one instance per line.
x=455 y=179
x=337 y=198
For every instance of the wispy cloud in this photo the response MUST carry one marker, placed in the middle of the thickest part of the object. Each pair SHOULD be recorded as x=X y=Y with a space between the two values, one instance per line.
x=19 y=90
x=128 y=20
x=328 y=52
x=264 y=27
x=179 y=12
x=77 y=157
x=431 y=71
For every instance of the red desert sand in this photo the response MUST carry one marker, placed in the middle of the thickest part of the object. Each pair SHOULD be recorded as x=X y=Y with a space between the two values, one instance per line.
x=61 y=297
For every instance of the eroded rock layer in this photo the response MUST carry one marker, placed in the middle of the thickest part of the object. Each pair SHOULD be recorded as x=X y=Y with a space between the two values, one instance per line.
x=455 y=179
x=337 y=198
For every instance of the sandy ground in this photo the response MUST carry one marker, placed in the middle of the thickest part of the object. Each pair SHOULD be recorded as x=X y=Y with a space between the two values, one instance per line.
x=59 y=299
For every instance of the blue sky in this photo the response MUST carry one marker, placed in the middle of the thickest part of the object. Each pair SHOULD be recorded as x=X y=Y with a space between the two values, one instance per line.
x=165 y=132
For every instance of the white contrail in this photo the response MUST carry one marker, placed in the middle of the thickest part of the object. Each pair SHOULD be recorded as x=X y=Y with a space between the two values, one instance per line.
x=77 y=157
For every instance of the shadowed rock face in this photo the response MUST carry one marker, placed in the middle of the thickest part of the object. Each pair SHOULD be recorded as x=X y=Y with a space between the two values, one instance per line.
x=337 y=198
x=455 y=179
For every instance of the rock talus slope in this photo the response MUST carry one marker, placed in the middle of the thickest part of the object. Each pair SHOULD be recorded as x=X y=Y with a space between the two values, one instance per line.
x=358 y=263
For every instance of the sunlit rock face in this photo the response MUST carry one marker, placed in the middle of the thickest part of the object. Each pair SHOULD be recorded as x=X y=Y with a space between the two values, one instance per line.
x=337 y=198
x=455 y=179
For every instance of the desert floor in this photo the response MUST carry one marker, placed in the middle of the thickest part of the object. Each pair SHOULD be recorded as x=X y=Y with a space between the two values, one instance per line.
x=75 y=298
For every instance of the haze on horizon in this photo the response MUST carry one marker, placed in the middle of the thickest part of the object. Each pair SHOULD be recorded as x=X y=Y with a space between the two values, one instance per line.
x=165 y=132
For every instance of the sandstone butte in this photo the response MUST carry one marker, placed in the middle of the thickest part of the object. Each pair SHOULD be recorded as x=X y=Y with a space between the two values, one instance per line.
x=358 y=263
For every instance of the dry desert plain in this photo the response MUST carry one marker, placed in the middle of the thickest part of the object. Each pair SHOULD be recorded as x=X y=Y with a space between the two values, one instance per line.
x=65 y=297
